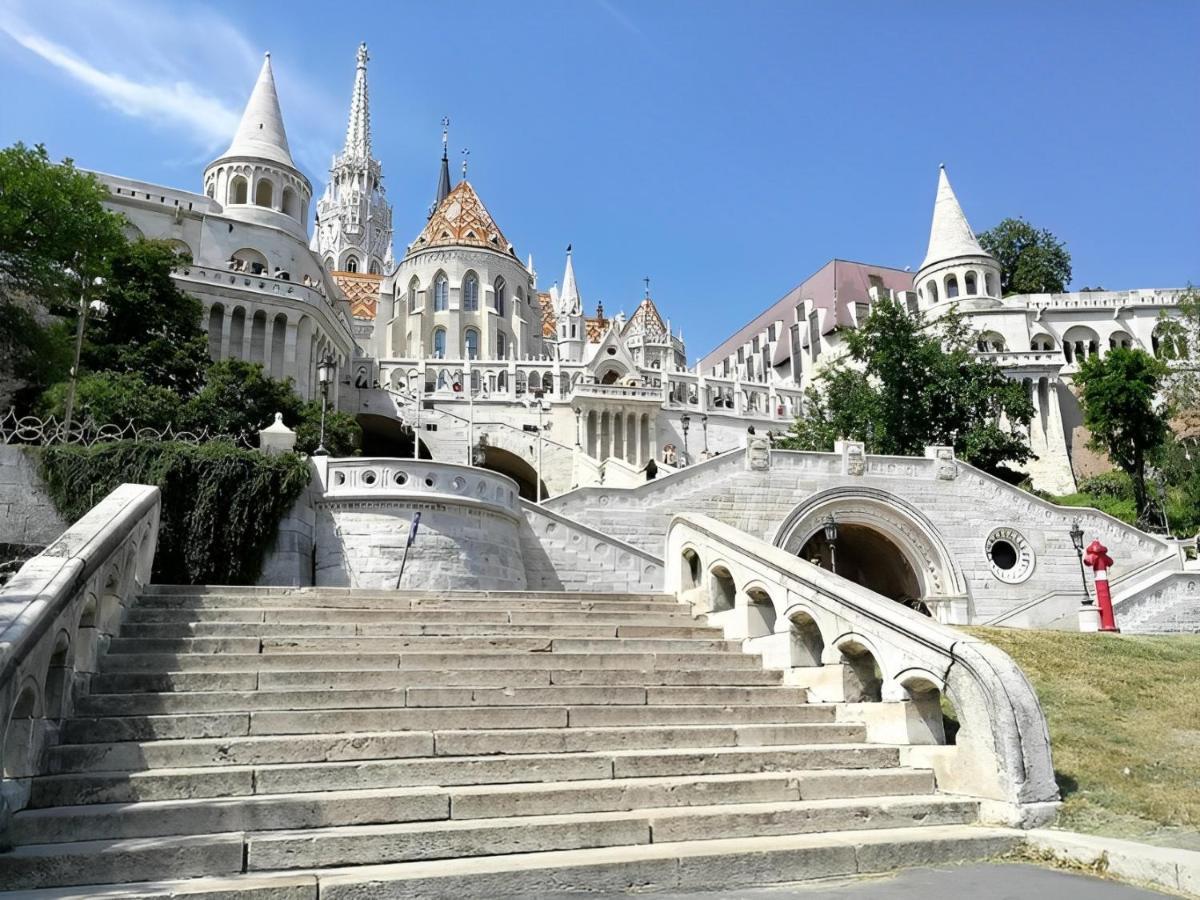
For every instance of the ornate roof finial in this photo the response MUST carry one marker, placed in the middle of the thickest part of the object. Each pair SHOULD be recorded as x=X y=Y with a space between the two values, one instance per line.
x=465 y=154
x=445 y=134
x=647 y=280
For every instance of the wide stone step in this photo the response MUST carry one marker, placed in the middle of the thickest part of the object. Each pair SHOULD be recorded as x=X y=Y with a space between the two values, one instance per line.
x=176 y=630
x=462 y=606
x=418 y=643
x=105 y=705
x=130 y=786
x=364 y=745
x=141 y=615
x=316 y=721
x=40 y=865
x=496 y=660
x=687 y=866
x=265 y=812
x=219 y=590
x=397 y=679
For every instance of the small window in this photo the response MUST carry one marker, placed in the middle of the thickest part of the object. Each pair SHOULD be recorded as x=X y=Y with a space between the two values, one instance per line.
x=951 y=286
x=374 y=267
x=471 y=343
x=501 y=345
x=969 y=280
x=501 y=289
x=470 y=293
x=351 y=264
x=412 y=294
x=441 y=293
x=439 y=343
x=932 y=289
x=264 y=193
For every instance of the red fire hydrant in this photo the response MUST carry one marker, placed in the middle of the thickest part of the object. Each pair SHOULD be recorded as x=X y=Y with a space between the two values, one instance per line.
x=1097 y=557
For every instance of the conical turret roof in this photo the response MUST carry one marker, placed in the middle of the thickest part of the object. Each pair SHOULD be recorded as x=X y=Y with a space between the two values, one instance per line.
x=461 y=220
x=950 y=235
x=261 y=133
x=569 y=302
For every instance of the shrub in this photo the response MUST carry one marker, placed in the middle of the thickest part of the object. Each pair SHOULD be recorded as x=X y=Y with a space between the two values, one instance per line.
x=221 y=506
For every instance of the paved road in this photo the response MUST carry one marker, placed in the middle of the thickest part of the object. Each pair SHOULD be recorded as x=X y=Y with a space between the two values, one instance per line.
x=1000 y=881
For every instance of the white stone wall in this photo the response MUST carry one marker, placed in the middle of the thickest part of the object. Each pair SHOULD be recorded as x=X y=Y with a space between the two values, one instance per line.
x=960 y=513
x=564 y=555
x=27 y=515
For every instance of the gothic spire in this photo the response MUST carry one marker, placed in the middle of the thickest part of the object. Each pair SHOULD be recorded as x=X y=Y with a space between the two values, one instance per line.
x=261 y=133
x=358 y=128
x=950 y=234
x=569 y=301
x=443 y=188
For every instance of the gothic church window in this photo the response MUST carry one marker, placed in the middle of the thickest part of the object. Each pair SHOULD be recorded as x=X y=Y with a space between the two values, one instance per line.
x=439 y=343
x=470 y=301
x=412 y=294
x=471 y=343
x=375 y=267
x=441 y=293
x=501 y=345
x=351 y=264
x=500 y=289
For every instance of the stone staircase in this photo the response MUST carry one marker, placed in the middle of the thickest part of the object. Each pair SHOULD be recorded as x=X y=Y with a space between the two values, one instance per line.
x=305 y=743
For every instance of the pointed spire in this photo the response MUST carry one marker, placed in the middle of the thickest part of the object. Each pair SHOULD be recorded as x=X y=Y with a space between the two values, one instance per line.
x=261 y=133
x=569 y=300
x=358 y=128
x=443 y=188
x=950 y=234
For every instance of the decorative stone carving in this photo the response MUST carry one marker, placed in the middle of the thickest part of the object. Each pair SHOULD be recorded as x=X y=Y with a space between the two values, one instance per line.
x=758 y=454
x=1009 y=554
x=856 y=463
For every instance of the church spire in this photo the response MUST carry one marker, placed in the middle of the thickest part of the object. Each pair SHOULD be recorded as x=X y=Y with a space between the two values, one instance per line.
x=950 y=234
x=261 y=133
x=568 y=299
x=358 y=128
x=443 y=188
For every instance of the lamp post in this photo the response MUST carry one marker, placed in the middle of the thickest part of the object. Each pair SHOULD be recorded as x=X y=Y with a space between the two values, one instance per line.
x=1077 y=542
x=326 y=371
x=704 y=428
x=685 y=420
x=830 y=527
x=79 y=328
x=541 y=408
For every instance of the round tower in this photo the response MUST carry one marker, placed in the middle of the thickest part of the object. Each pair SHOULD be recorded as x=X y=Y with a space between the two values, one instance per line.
x=956 y=268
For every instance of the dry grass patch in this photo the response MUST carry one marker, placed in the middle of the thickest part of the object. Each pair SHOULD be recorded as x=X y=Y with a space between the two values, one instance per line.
x=1124 y=716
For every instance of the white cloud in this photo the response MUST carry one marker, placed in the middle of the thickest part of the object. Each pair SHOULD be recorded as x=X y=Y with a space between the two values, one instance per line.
x=184 y=68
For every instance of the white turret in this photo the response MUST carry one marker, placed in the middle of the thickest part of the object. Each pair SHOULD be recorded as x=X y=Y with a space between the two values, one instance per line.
x=354 y=221
x=568 y=316
x=955 y=266
x=256 y=179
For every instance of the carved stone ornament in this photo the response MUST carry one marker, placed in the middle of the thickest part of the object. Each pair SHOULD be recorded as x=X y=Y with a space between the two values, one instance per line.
x=856 y=463
x=1009 y=554
x=947 y=468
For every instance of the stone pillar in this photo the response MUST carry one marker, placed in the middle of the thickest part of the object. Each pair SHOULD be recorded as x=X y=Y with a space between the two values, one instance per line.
x=289 y=347
x=226 y=329
x=269 y=346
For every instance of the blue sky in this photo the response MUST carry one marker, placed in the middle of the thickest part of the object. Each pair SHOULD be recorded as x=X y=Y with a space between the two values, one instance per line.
x=725 y=149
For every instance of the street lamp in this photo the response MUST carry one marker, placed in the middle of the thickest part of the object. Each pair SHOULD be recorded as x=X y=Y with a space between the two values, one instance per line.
x=80 y=324
x=685 y=420
x=541 y=408
x=326 y=371
x=704 y=426
x=830 y=526
x=1077 y=543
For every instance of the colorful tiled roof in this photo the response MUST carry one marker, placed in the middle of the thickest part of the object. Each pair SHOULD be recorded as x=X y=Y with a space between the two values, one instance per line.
x=362 y=290
x=461 y=220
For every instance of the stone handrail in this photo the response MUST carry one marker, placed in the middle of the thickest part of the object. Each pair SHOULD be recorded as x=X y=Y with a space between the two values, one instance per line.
x=405 y=403
x=805 y=619
x=56 y=617
x=617 y=392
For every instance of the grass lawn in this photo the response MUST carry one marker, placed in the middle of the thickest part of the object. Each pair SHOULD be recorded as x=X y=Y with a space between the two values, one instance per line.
x=1124 y=716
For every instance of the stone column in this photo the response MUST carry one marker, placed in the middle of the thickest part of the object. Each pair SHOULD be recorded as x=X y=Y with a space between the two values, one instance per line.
x=226 y=329
x=289 y=347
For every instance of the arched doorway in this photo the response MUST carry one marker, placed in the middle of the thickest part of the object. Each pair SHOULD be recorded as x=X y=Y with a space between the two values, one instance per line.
x=508 y=463
x=866 y=556
x=386 y=436
x=610 y=377
x=883 y=543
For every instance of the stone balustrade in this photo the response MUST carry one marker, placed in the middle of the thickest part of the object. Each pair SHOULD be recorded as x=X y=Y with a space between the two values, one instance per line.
x=366 y=478
x=259 y=284
x=618 y=392
x=849 y=645
x=57 y=615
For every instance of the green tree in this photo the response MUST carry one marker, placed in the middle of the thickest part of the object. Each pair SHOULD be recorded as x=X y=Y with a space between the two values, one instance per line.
x=1119 y=393
x=1177 y=342
x=55 y=237
x=143 y=323
x=1031 y=261
x=908 y=384
x=117 y=398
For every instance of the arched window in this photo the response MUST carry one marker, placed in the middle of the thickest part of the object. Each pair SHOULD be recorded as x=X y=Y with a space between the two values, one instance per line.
x=238 y=189
x=329 y=264
x=291 y=206
x=931 y=287
x=951 y=287
x=441 y=293
x=374 y=267
x=412 y=294
x=500 y=288
x=471 y=343
x=501 y=345
x=970 y=281
x=351 y=264
x=470 y=289
x=264 y=193
x=439 y=343
x=989 y=281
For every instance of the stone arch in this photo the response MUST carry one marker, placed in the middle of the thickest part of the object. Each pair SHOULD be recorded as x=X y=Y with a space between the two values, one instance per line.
x=890 y=517
x=932 y=289
x=971 y=283
x=990 y=342
x=253 y=262
x=264 y=192
x=19 y=739
x=808 y=643
x=1080 y=342
x=291 y=203
x=761 y=613
x=951 y=282
x=691 y=569
x=1120 y=339
x=862 y=670
x=216 y=327
x=58 y=677
x=515 y=466
x=239 y=189
x=722 y=589
x=924 y=691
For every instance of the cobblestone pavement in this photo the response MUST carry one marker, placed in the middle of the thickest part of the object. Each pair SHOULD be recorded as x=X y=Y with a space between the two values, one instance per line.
x=1006 y=881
